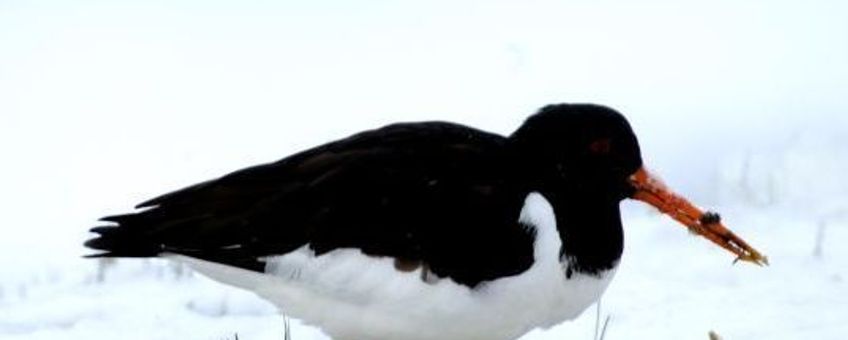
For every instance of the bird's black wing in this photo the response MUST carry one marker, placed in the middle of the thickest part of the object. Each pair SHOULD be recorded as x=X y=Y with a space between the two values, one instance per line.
x=432 y=193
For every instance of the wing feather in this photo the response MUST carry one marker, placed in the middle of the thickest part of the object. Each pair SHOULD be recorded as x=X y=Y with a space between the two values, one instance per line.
x=426 y=192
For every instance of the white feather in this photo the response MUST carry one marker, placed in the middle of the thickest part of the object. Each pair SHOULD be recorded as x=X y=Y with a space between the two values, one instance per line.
x=354 y=296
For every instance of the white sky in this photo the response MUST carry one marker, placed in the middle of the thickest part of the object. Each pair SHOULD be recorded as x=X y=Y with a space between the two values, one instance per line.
x=104 y=104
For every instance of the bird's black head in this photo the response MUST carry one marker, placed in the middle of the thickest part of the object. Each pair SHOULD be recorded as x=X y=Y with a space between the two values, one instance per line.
x=584 y=149
x=585 y=159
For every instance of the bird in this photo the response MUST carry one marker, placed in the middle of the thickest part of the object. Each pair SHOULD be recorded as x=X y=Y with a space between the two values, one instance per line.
x=422 y=230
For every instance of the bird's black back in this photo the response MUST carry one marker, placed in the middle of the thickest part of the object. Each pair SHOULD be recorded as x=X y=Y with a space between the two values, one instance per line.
x=435 y=194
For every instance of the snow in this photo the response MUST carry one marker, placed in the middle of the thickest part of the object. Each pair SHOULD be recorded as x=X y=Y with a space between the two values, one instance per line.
x=669 y=285
x=740 y=107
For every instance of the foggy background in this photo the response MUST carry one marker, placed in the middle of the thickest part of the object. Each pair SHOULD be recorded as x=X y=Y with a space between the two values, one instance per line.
x=103 y=104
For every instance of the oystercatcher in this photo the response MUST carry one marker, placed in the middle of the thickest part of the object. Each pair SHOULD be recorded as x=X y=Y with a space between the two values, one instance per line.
x=427 y=230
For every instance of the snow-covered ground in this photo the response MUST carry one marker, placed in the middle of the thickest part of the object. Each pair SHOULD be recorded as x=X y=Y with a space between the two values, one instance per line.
x=739 y=106
x=670 y=286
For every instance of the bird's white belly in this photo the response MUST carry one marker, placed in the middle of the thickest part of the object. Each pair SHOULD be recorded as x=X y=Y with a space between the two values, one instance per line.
x=354 y=296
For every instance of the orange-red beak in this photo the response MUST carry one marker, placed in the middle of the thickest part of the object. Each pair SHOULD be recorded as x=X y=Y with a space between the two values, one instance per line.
x=651 y=190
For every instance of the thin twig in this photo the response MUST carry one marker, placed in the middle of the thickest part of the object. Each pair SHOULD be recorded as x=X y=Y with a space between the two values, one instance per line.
x=818 y=245
x=287 y=327
x=604 y=330
x=597 y=318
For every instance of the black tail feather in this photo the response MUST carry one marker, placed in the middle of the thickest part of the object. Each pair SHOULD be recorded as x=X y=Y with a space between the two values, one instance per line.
x=117 y=241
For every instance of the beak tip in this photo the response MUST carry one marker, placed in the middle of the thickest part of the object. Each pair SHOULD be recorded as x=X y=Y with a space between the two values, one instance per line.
x=755 y=258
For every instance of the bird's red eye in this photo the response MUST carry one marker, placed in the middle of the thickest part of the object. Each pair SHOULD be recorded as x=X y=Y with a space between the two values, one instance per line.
x=600 y=146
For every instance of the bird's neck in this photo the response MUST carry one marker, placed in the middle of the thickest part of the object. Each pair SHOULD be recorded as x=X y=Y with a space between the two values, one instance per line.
x=590 y=229
x=588 y=220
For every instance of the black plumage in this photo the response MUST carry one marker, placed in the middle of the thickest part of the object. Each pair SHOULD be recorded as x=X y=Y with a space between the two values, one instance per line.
x=436 y=194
